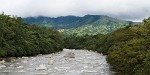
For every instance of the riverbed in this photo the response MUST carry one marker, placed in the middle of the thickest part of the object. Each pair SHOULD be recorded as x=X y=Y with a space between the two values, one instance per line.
x=84 y=62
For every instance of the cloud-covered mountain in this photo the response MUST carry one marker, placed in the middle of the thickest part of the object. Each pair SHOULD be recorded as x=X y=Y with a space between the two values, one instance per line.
x=80 y=25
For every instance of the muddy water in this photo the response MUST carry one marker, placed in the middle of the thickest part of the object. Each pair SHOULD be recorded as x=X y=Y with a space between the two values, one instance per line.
x=84 y=63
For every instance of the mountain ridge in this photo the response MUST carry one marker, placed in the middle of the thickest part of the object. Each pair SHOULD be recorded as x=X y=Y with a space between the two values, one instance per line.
x=70 y=23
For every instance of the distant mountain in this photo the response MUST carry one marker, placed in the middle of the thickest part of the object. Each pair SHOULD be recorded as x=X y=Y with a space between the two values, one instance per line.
x=74 y=25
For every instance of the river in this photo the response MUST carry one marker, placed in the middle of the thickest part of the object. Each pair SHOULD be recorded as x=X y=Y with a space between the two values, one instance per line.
x=84 y=62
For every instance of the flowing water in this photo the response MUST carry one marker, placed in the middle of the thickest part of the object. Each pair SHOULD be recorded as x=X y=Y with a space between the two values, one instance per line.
x=84 y=63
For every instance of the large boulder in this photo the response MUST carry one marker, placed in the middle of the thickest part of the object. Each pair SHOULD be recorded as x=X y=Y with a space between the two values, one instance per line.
x=50 y=62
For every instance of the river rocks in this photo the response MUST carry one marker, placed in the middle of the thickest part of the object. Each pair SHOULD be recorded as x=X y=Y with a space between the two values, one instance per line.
x=24 y=57
x=41 y=67
x=67 y=62
x=8 y=59
x=62 y=68
x=13 y=60
x=11 y=65
x=19 y=67
x=88 y=71
x=17 y=63
x=70 y=55
x=73 y=73
x=41 y=73
x=21 y=71
x=3 y=61
x=24 y=61
x=2 y=66
x=50 y=62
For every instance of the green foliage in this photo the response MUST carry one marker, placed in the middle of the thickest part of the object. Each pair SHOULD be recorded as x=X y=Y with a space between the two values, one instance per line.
x=20 y=39
x=147 y=64
x=128 y=49
x=90 y=42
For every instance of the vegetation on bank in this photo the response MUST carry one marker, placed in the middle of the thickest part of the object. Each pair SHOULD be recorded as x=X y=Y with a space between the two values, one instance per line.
x=128 y=49
x=20 y=39
x=94 y=42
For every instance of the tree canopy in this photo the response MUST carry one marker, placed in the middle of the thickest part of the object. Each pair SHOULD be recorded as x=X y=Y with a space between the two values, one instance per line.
x=20 y=39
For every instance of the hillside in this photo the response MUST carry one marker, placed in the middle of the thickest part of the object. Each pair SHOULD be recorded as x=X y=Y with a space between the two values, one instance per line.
x=74 y=25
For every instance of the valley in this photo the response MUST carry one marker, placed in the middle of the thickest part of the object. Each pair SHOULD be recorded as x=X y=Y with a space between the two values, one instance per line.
x=124 y=44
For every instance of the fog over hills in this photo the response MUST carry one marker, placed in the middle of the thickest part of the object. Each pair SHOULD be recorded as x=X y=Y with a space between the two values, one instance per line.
x=134 y=10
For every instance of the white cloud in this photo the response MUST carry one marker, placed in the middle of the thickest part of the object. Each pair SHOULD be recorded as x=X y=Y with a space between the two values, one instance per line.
x=123 y=9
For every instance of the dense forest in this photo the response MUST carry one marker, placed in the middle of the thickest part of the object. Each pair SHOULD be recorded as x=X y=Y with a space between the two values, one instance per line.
x=20 y=39
x=79 y=26
x=90 y=42
x=128 y=48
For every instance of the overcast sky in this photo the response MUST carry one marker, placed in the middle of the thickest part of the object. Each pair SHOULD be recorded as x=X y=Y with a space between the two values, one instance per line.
x=135 y=10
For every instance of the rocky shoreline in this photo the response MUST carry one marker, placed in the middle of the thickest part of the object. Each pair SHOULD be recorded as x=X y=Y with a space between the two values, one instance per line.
x=67 y=62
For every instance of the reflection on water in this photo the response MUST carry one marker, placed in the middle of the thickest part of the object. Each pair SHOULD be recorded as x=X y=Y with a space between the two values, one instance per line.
x=84 y=63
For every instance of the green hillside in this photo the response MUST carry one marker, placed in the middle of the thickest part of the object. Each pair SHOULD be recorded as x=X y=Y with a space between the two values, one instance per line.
x=73 y=25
